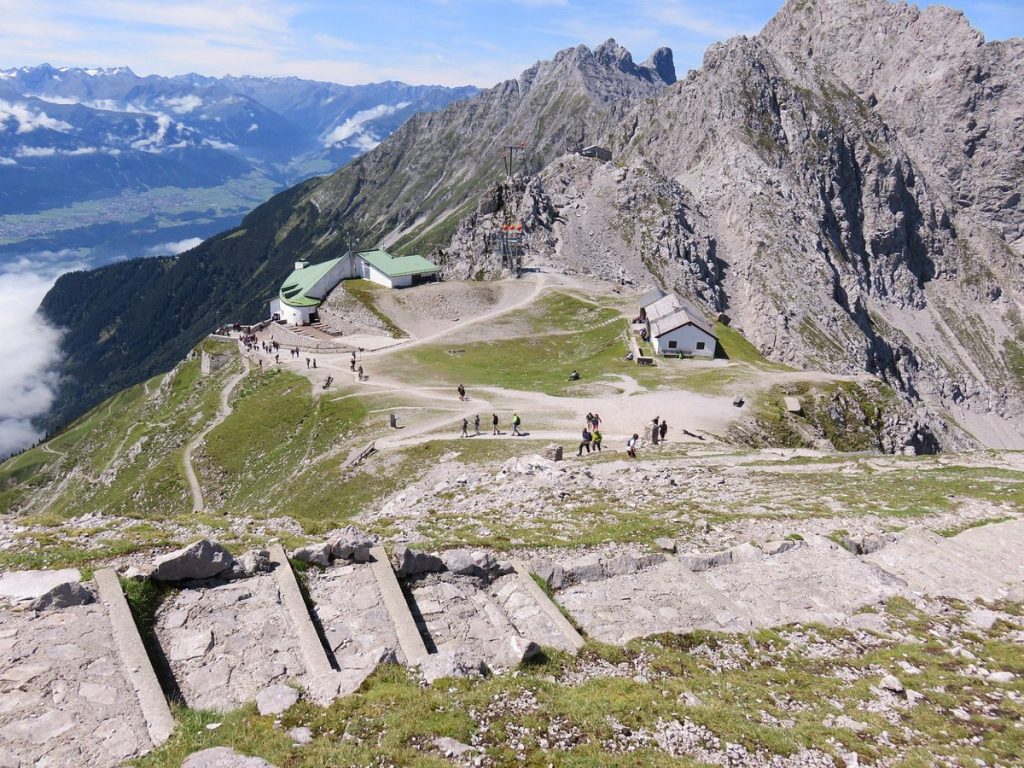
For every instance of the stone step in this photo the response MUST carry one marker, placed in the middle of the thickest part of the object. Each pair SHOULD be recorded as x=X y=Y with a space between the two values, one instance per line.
x=66 y=686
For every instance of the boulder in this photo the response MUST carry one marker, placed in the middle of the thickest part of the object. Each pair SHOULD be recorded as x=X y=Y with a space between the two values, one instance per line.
x=1000 y=677
x=451 y=748
x=513 y=651
x=138 y=572
x=413 y=563
x=223 y=757
x=697 y=561
x=300 y=735
x=63 y=596
x=252 y=562
x=587 y=569
x=746 y=553
x=451 y=663
x=201 y=560
x=891 y=683
x=352 y=544
x=474 y=563
x=551 y=573
x=553 y=452
x=666 y=545
x=317 y=554
x=275 y=699
x=773 y=548
x=24 y=586
x=982 y=619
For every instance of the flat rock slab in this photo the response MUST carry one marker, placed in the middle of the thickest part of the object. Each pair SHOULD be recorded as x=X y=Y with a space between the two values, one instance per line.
x=23 y=586
x=227 y=643
x=64 y=698
x=667 y=598
x=819 y=583
x=981 y=562
x=223 y=757
x=489 y=621
x=354 y=619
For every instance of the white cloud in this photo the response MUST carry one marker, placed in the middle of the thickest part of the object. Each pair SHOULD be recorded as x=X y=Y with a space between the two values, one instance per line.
x=354 y=124
x=182 y=105
x=219 y=144
x=28 y=377
x=153 y=141
x=7 y=161
x=174 y=248
x=51 y=151
x=28 y=120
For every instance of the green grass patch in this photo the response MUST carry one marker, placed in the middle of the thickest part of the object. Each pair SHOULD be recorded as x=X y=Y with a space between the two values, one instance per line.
x=365 y=291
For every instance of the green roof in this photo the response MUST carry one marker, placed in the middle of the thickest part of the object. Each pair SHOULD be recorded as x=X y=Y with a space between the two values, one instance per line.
x=397 y=266
x=293 y=291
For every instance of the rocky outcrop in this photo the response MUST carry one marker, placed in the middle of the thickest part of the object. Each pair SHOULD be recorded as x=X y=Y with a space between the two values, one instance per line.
x=202 y=560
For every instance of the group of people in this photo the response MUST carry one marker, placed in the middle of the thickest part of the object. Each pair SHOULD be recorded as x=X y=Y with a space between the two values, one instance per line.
x=516 y=421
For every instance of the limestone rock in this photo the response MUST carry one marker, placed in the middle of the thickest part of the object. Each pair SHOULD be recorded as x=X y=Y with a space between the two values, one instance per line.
x=474 y=563
x=701 y=562
x=772 y=548
x=252 y=562
x=352 y=544
x=300 y=735
x=553 y=452
x=514 y=651
x=551 y=573
x=666 y=545
x=452 y=748
x=891 y=683
x=413 y=563
x=63 y=595
x=275 y=699
x=201 y=560
x=23 y=586
x=317 y=554
x=1000 y=677
x=223 y=757
x=138 y=573
x=451 y=663
x=982 y=619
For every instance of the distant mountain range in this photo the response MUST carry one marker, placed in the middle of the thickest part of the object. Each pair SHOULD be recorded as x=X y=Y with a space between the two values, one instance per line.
x=143 y=145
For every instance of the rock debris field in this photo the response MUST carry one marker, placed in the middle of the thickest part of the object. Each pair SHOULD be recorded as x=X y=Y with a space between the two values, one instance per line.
x=232 y=631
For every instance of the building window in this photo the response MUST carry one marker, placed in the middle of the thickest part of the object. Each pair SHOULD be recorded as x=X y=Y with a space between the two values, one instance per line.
x=672 y=344
x=700 y=345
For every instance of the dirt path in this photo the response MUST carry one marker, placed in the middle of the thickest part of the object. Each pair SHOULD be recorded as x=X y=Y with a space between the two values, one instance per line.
x=222 y=413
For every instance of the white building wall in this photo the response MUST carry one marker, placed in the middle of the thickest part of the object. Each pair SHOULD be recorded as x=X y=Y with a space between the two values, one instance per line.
x=686 y=338
x=340 y=271
x=296 y=315
x=376 y=276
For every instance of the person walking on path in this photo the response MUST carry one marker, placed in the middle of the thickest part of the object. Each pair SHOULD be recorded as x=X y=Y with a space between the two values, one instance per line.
x=359 y=372
x=465 y=427
x=663 y=430
x=655 y=431
x=462 y=392
x=585 y=442
x=597 y=421
x=307 y=362
x=516 y=421
x=476 y=423
x=494 y=424
x=590 y=420
x=631 y=445
x=314 y=362
x=595 y=439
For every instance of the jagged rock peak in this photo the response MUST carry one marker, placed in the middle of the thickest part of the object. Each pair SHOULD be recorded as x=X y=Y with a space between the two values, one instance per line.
x=659 y=69
x=662 y=63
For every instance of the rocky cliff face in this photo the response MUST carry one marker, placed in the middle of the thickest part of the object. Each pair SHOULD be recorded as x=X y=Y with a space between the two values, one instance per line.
x=844 y=185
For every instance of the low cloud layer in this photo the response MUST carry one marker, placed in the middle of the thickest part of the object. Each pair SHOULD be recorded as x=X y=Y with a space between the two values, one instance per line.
x=28 y=377
x=174 y=248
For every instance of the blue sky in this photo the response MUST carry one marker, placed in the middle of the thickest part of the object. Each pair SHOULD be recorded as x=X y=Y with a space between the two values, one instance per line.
x=449 y=42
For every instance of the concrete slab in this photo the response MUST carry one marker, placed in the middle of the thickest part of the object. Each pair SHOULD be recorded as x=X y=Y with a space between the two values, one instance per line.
x=409 y=638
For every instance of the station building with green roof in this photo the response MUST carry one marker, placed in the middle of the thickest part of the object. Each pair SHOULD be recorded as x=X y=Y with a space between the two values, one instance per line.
x=305 y=289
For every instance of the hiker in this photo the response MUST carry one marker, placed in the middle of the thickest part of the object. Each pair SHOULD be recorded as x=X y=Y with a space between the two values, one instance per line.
x=595 y=439
x=314 y=362
x=663 y=430
x=631 y=445
x=494 y=424
x=655 y=431
x=516 y=421
x=277 y=359
x=574 y=376
x=585 y=443
x=590 y=421
x=359 y=372
x=352 y=362
x=465 y=427
x=476 y=423
x=597 y=421
x=307 y=362
x=462 y=392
